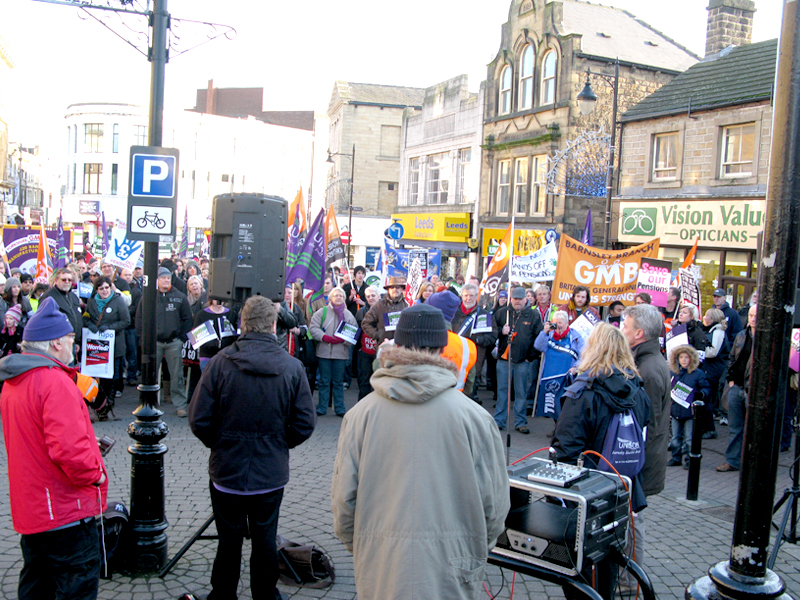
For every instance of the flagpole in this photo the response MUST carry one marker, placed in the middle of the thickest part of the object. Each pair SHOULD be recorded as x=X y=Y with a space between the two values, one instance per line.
x=509 y=415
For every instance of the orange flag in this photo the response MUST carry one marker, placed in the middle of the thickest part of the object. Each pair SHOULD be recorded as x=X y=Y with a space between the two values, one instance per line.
x=296 y=208
x=44 y=264
x=690 y=257
x=498 y=269
x=334 y=250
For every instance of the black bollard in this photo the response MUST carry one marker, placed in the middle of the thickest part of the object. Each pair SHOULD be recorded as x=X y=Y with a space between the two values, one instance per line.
x=695 y=454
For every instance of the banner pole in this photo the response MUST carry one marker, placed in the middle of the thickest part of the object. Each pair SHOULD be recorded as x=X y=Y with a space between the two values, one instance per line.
x=509 y=414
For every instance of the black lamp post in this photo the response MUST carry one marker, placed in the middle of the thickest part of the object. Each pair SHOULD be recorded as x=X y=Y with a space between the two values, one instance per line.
x=586 y=101
x=352 y=158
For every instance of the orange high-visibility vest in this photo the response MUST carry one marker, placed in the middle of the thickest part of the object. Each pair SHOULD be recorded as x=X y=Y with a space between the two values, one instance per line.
x=463 y=353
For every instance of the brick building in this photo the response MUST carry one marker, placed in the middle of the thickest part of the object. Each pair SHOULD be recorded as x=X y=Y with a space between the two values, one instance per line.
x=532 y=125
x=440 y=174
x=695 y=158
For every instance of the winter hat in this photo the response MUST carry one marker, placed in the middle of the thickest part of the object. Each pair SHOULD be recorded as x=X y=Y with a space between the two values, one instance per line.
x=48 y=323
x=446 y=302
x=421 y=326
x=518 y=293
x=15 y=312
x=164 y=272
x=11 y=282
x=502 y=294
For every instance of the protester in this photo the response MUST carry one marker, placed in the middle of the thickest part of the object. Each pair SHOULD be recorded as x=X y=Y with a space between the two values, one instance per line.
x=196 y=294
x=670 y=312
x=731 y=316
x=738 y=378
x=68 y=303
x=11 y=334
x=518 y=325
x=561 y=350
x=459 y=350
x=250 y=435
x=176 y=281
x=642 y=326
x=546 y=308
x=491 y=356
x=286 y=332
x=26 y=284
x=715 y=364
x=614 y=313
x=694 y=329
x=173 y=322
x=689 y=384
x=332 y=351
x=579 y=303
x=386 y=311
x=356 y=292
x=420 y=490
x=198 y=298
x=642 y=298
x=118 y=284
x=366 y=347
x=608 y=383
x=57 y=479
x=745 y=309
x=36 y=293
x=131 y=341
x=223 y=319
x=425 y=292
x=476 y=323
x=13 y=296
x=107 y=311
x=315 y=305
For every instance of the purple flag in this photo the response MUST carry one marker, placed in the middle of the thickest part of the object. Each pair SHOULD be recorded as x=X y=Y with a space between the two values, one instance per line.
x=587 y=236
x=61 y=245
x=106 y=245
x=184 y=249
x=310 y=263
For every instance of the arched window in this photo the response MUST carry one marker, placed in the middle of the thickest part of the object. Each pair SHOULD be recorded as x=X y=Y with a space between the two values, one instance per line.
x=526 y=79
x=505 y=91
x=549 y=78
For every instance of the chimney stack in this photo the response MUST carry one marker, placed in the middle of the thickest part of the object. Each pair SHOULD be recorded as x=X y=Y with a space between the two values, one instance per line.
x=730 y=23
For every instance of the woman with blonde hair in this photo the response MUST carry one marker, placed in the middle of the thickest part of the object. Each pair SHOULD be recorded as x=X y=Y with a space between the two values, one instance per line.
x=608 y=383
x=426 y=290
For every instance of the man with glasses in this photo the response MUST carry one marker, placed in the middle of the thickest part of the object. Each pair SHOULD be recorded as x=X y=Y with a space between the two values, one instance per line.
x=68 y=303
x=474 y=323
x=381 y=320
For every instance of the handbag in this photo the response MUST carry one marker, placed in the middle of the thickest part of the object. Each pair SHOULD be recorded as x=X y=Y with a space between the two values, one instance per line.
x=304 y=565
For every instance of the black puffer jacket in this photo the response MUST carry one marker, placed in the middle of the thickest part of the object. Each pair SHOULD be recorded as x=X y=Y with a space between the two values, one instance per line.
x=173 y=316
x=70 y=305
x=526 y=324
x=250 y=434
x=589 y=404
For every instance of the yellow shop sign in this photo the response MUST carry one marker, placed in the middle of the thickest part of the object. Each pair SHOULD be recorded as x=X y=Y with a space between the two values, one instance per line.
x=435 y=227
x=526 y=241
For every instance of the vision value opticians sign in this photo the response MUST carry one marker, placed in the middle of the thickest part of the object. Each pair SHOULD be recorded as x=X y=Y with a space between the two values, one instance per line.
x=718 y=223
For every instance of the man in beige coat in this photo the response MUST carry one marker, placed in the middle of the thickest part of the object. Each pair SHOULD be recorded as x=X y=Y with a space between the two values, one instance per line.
x=420 y=491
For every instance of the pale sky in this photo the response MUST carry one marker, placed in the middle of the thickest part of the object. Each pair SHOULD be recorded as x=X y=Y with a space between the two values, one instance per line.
x=295 y=50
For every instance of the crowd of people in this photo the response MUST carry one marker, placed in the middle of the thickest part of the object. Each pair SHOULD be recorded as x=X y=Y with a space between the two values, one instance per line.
x=418 y=367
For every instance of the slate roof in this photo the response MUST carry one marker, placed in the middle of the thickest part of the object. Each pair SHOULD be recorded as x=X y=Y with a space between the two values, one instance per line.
x=739 y=75
x=388 y=95
x=612 y=32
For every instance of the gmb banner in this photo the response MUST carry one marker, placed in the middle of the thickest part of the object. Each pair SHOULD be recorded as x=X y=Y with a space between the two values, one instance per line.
x=609 y=274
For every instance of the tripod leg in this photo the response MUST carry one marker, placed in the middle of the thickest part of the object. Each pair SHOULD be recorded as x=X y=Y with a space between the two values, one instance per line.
x=168 y=567
x=779 y=537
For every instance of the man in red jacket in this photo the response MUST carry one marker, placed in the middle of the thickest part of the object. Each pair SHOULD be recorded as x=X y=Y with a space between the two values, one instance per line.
x=57 y=480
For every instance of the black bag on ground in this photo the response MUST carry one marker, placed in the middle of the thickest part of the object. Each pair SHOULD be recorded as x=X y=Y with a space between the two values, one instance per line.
x=115 y=534
x=304 y=565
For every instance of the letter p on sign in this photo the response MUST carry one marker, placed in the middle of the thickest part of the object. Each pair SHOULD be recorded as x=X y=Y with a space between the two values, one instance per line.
x=153 y=176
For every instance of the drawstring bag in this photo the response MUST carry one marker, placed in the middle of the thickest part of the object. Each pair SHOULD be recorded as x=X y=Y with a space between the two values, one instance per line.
x=304 y=565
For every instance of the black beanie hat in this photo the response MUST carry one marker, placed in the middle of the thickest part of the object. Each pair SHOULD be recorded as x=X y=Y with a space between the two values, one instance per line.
x=421 y=326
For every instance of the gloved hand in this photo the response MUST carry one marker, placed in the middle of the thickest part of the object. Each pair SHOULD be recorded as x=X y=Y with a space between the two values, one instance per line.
x=102 y=328
x=329 y=339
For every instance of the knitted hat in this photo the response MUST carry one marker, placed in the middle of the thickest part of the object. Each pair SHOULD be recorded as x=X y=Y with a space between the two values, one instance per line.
x=15 y=312
x=11 y=282
x=47 y=323
x=446 y=302
x=421 y=326
x=502 y=294
x=163 y=272
x=25 y=277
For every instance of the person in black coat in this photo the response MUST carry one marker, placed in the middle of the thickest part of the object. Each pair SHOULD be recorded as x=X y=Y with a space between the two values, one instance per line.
x=68 y=303
x=250 y=435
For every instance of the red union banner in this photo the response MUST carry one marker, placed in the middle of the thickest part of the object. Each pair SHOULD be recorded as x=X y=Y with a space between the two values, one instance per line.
x=609 y=274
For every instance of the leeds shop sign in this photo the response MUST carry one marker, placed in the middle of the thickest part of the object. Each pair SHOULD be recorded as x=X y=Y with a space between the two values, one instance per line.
x=718 y=223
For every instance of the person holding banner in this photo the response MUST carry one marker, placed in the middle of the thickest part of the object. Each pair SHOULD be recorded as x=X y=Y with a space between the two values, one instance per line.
x=381 y=320
x=107 y=311
x=328 y=328
x=579 y=304
x=561 y=350
x=223 y=320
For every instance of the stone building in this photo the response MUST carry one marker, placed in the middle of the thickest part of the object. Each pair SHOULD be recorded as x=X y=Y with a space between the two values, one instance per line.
x=7 y=184
x=440 y=174
x=695 y=158
x=532 y=125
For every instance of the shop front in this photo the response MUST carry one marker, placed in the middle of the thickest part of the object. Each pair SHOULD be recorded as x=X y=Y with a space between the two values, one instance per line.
x=728 y=233
x=448 y=232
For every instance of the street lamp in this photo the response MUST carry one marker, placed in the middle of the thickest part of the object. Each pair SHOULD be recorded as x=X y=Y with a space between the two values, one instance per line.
x=586 y=102
x=352 y=158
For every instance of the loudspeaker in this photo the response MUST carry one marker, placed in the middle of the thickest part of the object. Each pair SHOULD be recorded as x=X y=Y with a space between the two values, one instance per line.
x=248 y=247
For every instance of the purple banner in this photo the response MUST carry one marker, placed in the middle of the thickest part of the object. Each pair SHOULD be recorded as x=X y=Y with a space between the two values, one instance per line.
x=22 y=246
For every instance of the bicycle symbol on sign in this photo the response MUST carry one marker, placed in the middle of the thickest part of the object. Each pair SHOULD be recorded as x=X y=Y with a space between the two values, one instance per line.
x=152 y=219
x=638 y=220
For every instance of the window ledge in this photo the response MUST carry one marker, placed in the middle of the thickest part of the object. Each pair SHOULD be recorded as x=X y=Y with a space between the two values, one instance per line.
x=749 y=180
x=393 y=158
x=663 y=184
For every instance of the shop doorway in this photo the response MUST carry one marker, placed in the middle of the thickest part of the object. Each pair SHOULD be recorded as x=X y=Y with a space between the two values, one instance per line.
x=739 y=290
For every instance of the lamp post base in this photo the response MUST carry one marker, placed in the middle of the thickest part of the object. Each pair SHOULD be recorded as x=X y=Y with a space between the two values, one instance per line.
x=721 y=584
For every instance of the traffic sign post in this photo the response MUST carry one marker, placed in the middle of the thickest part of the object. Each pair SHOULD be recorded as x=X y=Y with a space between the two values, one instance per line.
x=396 y=231
x=345 y=237
x=153 y=193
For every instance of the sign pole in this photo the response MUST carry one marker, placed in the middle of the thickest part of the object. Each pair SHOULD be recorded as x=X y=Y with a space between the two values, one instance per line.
x=149 y=542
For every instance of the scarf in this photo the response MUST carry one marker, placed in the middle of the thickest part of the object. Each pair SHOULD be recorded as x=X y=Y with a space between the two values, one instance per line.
x=560 y=336
x=101 y=304
x=339 y=310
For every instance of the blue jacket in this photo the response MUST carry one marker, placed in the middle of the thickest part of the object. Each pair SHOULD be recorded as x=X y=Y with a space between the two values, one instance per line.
x=696 y=380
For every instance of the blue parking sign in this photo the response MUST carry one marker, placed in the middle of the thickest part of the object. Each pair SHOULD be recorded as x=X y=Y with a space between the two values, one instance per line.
x=153 y=175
